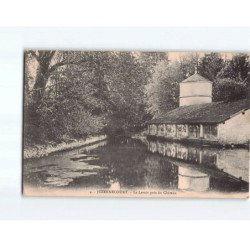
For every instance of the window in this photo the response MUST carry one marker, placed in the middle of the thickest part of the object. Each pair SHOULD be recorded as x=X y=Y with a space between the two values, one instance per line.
x=194 y=131
x=210 y=131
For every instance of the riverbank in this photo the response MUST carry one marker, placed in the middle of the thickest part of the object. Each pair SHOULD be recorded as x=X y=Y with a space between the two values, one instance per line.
x=140 y=136
x=44 y=150
x=198 y=142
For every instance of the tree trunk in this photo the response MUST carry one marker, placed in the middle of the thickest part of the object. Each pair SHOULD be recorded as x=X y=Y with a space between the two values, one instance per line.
x=40 y=83
x=33 y=117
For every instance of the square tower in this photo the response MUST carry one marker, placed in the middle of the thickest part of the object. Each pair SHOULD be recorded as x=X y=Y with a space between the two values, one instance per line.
x=195 y=90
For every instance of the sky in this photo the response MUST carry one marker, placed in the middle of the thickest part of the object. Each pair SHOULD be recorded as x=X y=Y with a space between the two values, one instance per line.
x=177 y=55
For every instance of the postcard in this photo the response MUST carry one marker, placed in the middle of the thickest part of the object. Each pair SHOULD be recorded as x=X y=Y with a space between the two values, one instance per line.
x=136 y=124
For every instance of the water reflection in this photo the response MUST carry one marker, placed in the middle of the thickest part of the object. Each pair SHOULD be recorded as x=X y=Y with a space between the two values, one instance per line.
x=115 y=185
x=202 y=168
x=184 y=152
x=131 y=164
x=193 y=180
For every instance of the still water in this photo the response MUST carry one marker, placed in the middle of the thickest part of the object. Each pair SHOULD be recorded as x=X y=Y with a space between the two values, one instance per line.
x=127 y=163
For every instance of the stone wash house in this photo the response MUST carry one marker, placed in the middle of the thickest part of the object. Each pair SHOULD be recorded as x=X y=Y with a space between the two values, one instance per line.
x=199 y=119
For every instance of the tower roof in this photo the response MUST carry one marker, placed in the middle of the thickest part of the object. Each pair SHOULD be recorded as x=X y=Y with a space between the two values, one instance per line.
x=196 y=78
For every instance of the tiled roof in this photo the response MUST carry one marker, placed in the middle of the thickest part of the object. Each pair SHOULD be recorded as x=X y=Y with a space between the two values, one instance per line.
x=215 y=112
x=196 y=78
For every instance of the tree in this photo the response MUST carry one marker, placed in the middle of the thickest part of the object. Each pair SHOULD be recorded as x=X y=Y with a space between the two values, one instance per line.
x=231 y=82
x=85 y=94
x=237 y=68
x=210 y=65
x=69 y=110
x=227 y=89
x=149 y=59
x=126 y=90
x=48 y=61
x=163 y=90
x=188 y=64
x=42 y=111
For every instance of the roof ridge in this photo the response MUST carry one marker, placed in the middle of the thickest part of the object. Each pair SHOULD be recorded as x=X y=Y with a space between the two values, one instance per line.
x=196 y=78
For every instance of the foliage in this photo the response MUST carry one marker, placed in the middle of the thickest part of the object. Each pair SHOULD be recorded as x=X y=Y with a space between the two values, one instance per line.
x=187 y=65
x=101 y=91
x=210 y=65
x=227 y=89
x=162 y=91
x=73 y=94
x=229 y=79
x=237 y=68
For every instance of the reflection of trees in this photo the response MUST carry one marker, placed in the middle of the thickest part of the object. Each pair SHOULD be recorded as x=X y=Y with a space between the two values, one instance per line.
x=125 y=160
x=132 y=166
x=160 y=172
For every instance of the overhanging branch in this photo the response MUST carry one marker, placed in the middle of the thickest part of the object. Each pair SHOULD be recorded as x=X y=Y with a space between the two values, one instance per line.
x=62 y=63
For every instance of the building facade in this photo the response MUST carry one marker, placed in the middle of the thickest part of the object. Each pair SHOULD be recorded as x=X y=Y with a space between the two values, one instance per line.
x=199 y=119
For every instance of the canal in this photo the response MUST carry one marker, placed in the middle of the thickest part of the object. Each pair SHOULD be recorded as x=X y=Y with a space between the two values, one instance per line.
x=132 y=164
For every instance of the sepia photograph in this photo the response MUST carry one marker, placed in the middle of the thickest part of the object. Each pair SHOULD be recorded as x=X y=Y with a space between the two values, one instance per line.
x=146 y=124
x=124 y=124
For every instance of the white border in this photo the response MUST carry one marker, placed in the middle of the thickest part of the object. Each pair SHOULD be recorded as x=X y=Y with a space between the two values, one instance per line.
x=122 y=235
x=12 y=43
x=125 y=13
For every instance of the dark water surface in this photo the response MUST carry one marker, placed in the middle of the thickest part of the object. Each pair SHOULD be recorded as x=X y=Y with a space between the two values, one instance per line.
x=127 y=163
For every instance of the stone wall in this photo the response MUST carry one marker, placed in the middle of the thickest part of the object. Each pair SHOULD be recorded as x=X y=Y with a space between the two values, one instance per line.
x=235 y=130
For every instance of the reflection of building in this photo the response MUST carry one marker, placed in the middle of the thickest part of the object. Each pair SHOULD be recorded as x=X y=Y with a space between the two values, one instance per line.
x=115 y=185
x=192 y=179
x=202 y=169
x=213 y=161
x=187 y=153
x=200 y=119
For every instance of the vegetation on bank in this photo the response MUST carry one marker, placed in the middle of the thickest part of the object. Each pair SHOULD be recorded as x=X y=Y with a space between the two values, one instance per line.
x=38 y=150
x=72 y=95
